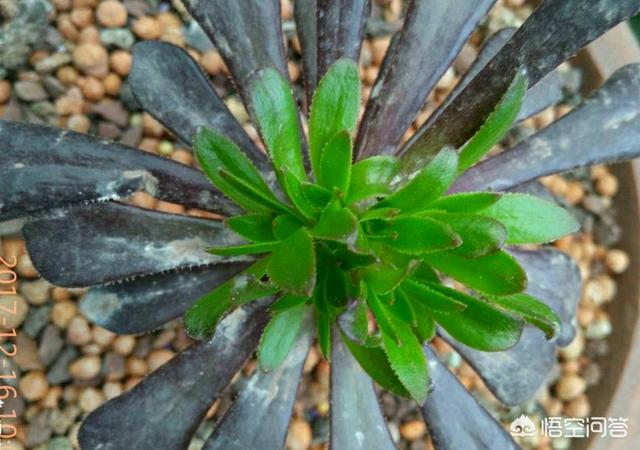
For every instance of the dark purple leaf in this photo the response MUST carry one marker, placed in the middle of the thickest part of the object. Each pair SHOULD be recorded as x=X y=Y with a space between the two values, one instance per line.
x=247 y=33
x=340 y=29
x=433 y=34
x=356 y=420
x=146 y=303
x=545 y=93
x=605 y=128
x=306 y=26
x=516 y=374
x=106 y=242
x=455 y=419
x=554 y=278
x=553 y=33
x=164 y=410
x=45 y=168
x=180 y=95
x=259 y=417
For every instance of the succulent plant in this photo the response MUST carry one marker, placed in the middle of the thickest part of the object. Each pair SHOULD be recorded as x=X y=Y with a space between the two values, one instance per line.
x=331 y=227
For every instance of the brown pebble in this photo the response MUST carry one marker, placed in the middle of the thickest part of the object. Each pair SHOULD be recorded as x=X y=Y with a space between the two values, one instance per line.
x=212 y=63
x=112 y=84
x=578 y=407
x=102 y=336
x=379 y=48
x=78 y=331
x=92 y=59
x=12 y=303
x=85 y=368
x=67 y=28
x=137 y=366
x=143 y=200
x=92 y=89
x=5 y=91
x=607 y=185
x=112 y=14
x=183 y=156
x=617 y=261
x=25 y=267
x=62 y=5
x=132 y=382
x=123 y=345
x=34 y=385
x=111 y=389
x=85 y=3
x=62 y=313
x=151 y=126
x=574 y=193
x=158 y=357
x=149 y=145
x=147 y=28
x=413 y=430
x=120 y=62
x=171 y=208
x=89 y=35
x=90 y=399
x=67 y=75
x=570 y=386
x=79 y=123
x=300 y=435
x=52 y=399
x=81 y=17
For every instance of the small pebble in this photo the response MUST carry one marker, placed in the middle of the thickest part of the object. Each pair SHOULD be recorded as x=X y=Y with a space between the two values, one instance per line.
x=12 y=303
x=158 y=357
x=600 y=328
x=78 y=331
x=617 y=261
x=120 y=62
x=413 y=430
x=62 y=313
x=85 y=368
x=92 y=59
x=112 y=14
x=34 y=385
x=123 y=345
x=300 y=435
x=607 y=185
x=90 y=399
x=570 y=386
x=5 y=91
x=147 y=28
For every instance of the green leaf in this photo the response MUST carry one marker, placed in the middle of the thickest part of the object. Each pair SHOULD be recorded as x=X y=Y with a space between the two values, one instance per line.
x=298 y=196
x=425 y=328
x=292 y=265
x=407 y=360
x=247 y=249
x=279 y=336
x=288 y=301
x=466 y=202
x=336 y=223
x=215 y=152
x=384 y=277
x=380 y=213
x=428 y=185
x=372 y=177
x=400 y=306
x=424 y=273
x=373 y=360
x=336 y=289
x=254 y=227
x=335 y=108
x=201 y=319
x=497 y=124
x=481 y=325
x=480 y=235
x=382 y=316
x=531 y=220
x=497 y=274
x=413 y=235
x=533 y=311
x=422 y=294
x=264 y=199
x=276 y=113
x=316 y=195
x=335 y=164
x=323 y=326
x=285 y=225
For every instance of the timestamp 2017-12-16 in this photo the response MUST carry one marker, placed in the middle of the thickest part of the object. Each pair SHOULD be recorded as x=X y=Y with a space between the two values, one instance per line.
x=8 y=349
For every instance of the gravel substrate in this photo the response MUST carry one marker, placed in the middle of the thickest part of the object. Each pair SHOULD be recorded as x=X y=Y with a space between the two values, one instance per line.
x=67 y=66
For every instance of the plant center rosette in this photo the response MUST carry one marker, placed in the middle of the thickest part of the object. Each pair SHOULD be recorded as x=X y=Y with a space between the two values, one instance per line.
x=368 y=240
